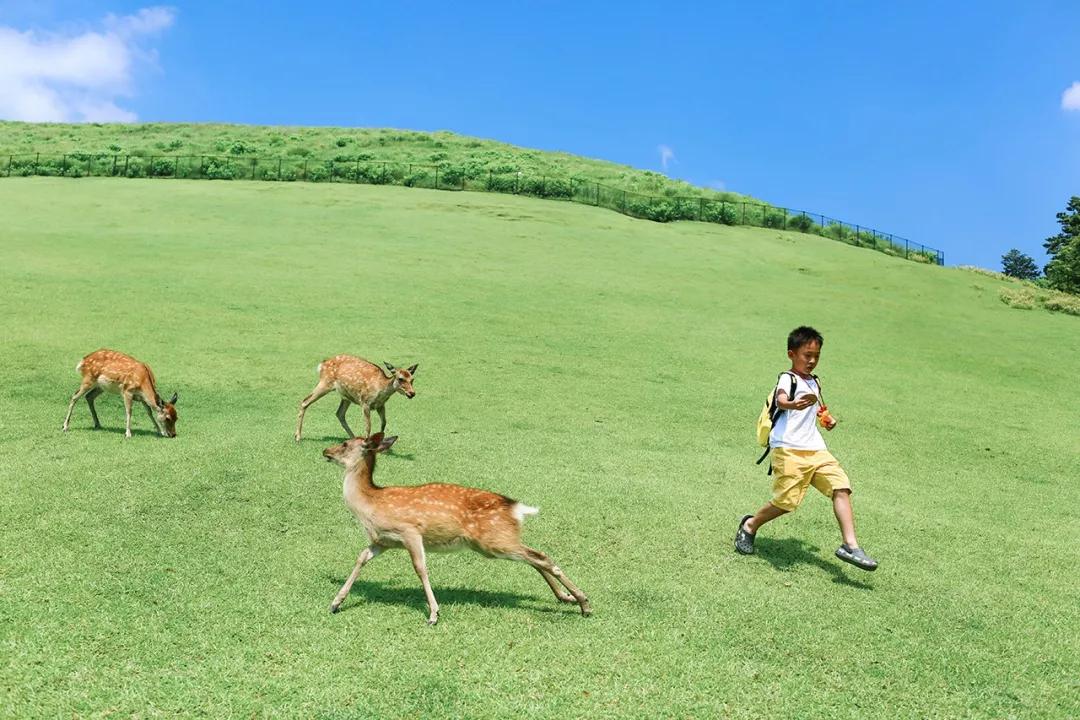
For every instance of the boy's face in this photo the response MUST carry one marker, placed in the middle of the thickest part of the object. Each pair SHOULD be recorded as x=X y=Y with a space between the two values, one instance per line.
x=805 y=358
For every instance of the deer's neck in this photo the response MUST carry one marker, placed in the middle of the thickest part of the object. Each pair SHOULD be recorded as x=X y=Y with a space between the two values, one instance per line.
x=361 y=476
x=384 y=392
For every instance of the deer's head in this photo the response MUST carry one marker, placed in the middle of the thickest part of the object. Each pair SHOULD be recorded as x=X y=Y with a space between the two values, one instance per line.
x=350 y=452
x=402 y=379
x=166 y=416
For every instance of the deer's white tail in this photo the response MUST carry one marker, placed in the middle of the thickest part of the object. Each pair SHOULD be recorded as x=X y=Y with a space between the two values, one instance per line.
x=520 y=511
x=78 y=368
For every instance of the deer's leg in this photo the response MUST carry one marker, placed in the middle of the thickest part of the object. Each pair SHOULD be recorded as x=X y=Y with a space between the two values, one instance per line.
x=84 y=388
x=415 y=545
x=367 y=421
x=90 y=397
x=321 y=389
x=127 y=414
x=382 y=418
x=341 y=410
x=365 y=555
x=153 y=418
x=560 y=594
x=546 y=566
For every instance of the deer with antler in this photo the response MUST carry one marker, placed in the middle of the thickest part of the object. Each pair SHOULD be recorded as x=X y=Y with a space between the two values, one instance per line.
x=436 y=517
x=361 y=382
x=114 y=372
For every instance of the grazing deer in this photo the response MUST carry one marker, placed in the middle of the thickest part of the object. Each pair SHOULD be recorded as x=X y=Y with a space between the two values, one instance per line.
x=361 y=382
x=436 y=517
x=115 y=372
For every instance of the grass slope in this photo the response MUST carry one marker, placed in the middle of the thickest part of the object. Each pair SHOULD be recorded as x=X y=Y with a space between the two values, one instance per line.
x=476 y=157
x=606 y=369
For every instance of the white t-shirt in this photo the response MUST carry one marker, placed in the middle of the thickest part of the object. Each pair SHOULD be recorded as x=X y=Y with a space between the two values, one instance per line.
x=797 y=429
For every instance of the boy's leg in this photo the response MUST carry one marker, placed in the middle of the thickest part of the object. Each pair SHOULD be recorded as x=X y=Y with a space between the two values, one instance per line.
x=790 y=479
x=831 y=480
x=841 y=505
x=764 y=515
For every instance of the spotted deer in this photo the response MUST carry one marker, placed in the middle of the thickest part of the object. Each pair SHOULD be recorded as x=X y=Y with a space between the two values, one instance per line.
x=361 y=382
x=436 y=517
x=111 y=371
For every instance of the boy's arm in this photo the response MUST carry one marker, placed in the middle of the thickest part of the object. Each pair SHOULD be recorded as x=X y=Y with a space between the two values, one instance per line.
x=801 y=403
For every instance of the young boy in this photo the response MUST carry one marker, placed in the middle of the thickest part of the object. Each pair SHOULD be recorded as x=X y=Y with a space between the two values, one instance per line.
x=799 y=456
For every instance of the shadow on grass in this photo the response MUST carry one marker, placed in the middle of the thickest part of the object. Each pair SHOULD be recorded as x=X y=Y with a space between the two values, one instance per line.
x=114 y=431
x=386 y=594
x=789 y=552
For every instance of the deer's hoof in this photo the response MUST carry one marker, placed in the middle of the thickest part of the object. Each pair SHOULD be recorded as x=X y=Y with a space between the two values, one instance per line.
x=334 y=608
x=586 y=610
x=431 y=621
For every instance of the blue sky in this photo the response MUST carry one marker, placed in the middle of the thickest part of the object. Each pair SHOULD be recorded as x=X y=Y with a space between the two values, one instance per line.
x=952 y=124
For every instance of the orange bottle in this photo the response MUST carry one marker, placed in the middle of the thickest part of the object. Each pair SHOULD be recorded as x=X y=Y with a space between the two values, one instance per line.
x=827 y=421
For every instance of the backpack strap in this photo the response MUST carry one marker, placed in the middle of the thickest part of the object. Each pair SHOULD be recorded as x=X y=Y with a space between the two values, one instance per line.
x=774 y=412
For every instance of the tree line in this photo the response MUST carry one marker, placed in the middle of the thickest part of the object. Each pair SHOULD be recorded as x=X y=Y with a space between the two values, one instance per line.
x=1062 y=272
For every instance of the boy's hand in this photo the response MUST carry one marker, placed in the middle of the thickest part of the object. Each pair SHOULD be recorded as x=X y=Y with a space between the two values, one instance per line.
x=800 y=403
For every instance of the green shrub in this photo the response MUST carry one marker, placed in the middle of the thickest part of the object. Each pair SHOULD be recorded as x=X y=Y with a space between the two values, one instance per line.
x=719 y=212
x=802 y=223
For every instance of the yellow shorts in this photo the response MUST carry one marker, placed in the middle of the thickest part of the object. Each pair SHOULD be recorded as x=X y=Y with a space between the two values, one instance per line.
x=795 y=470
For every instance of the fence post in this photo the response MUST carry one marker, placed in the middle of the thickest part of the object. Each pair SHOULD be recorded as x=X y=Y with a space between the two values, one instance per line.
x=743 y=221
x=700 y=209
x=253 y=161
x=597 y=203
x=305 y=169
x=491 y=181
x=127 y=161
x=858 y=243
x=279 y=169
x=358 y=169
x=624 y=201
x=37 y=159
x=9 y=159
x=436 y=177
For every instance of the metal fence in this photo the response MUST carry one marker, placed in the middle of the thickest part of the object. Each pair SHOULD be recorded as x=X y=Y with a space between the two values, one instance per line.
x=452 y=177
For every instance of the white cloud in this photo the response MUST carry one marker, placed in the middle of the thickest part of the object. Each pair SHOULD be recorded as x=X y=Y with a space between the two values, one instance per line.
x=667 y=155
x=76 y=77
x=1070 y=99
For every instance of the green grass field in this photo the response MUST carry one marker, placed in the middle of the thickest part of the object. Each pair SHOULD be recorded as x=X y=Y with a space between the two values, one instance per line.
x=606 y=369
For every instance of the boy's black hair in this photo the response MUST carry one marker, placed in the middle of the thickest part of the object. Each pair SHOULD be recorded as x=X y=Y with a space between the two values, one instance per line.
x=802 y=335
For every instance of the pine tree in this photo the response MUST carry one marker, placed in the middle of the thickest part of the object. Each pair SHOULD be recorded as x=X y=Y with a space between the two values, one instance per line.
x=1063 y=270
x=1018 y=265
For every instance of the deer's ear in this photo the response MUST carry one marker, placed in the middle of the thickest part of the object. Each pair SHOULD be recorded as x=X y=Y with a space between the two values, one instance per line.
x=375 y=439
x=172 y=401
x=389 y=366
x=387 y=442
x=412 y=370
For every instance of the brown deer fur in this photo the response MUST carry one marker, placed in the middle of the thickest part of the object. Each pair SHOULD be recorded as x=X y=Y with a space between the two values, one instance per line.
x=114 y=372
x=361 y=382
x=436 y=517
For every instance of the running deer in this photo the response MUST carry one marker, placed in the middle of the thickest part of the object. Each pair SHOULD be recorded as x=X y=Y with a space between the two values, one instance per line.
x=361 y=382
x=114 y=372
x=436 y=517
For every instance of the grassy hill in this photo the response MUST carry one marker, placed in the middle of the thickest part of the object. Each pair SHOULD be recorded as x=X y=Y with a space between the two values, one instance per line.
x=606 y=369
